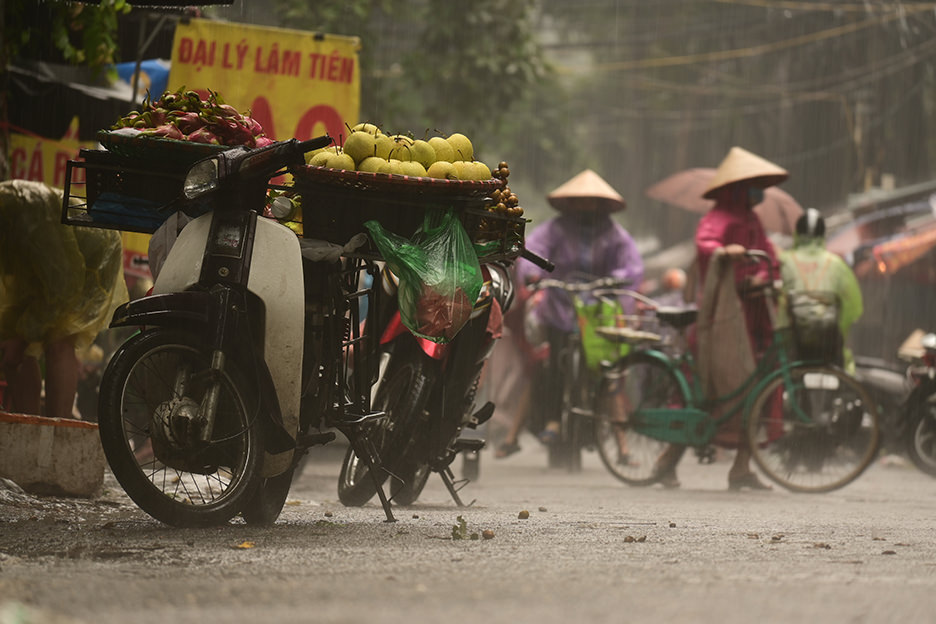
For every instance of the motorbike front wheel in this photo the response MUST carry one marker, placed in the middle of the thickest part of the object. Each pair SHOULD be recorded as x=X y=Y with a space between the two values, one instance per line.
x=153 y=385
x=409 y=484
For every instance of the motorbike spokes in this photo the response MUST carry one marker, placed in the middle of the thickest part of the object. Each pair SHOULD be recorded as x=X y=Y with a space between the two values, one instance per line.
x=154 y=436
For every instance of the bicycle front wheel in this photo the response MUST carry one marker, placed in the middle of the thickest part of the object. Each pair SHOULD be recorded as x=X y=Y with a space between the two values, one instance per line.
x=815 y=434
x=641 y=382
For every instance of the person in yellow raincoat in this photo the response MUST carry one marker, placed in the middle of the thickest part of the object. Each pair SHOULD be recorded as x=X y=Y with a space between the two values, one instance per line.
x=59 y=287
x=809 y=266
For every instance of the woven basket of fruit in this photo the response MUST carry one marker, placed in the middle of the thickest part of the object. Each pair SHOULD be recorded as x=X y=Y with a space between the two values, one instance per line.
x=395 y=187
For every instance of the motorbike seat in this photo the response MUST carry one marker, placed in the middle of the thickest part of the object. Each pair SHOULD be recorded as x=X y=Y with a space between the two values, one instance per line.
x=678 y=318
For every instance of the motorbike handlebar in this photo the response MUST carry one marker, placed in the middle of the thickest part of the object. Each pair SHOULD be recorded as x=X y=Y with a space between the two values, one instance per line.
x=539 y=261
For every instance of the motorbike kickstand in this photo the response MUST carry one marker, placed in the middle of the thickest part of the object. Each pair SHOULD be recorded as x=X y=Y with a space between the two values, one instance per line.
x=366 y=451
x=448 y=478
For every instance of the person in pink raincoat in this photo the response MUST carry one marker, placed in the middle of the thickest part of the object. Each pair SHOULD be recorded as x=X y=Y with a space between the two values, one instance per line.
x=731 y=228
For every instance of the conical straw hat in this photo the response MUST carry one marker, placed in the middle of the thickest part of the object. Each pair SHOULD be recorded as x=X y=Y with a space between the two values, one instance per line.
x=586 y=192
x=740 y=165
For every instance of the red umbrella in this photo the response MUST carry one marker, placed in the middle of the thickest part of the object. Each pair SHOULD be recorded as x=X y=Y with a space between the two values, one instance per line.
x=778 y=212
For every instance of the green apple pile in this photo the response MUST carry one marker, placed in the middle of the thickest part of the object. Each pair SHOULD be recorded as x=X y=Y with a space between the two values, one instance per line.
x=367 y=148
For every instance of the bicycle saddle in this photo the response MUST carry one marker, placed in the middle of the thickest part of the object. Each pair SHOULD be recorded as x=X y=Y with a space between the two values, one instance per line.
x=677 y=317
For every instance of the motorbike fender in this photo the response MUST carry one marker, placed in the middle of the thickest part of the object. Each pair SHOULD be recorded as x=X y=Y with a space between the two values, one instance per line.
x=183 y=264
x=395 y=328
x=175 y=309
x=276 y=278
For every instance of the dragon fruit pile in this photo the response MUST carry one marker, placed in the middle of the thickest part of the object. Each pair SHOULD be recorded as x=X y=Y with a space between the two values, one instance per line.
x=184 y=116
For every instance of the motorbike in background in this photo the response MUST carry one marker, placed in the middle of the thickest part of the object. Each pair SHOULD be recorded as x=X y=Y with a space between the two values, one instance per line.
x=887 y=384
x=919 y=412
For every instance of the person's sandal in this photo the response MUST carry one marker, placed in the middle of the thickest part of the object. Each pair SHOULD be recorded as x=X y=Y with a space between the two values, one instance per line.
x=506 y=449
x=667 y=478
x=749 y=481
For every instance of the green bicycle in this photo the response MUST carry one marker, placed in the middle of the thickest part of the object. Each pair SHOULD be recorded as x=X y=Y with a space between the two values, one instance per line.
x=811 y=426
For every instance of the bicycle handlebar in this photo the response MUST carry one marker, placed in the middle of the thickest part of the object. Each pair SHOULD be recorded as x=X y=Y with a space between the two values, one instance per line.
x=573 y=287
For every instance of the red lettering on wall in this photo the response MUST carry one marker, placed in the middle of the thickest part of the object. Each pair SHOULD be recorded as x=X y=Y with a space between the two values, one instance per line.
x=185 y=50
x=18 y=163
x=321 y=114
x=291 y=62
x=347 y=70
x=35 y=165
x=58 y=175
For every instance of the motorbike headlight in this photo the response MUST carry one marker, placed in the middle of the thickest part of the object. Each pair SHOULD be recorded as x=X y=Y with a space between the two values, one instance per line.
x=201 y=178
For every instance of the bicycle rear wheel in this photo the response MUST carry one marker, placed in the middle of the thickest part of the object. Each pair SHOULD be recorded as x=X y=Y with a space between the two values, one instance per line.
x=641 y=382
x=817 y=434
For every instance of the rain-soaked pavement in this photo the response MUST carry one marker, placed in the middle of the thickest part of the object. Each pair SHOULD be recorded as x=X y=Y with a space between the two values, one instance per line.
x=592 y=550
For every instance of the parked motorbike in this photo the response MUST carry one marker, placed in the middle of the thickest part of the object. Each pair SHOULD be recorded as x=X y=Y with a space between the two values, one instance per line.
x=920 y=408
x=244 y=358
x=428 y=392
x=888 y=385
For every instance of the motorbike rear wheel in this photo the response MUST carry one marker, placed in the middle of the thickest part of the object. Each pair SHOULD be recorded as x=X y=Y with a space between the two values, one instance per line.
x=402 y=395
x=184 y=483
x=921 y=437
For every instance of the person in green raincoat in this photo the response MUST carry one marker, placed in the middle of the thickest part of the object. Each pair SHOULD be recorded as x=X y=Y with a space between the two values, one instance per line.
x=59 y=286
x=809 y=266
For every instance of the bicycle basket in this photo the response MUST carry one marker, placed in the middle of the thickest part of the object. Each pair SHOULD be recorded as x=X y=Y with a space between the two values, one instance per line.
x=601 y=313
x=814 y=316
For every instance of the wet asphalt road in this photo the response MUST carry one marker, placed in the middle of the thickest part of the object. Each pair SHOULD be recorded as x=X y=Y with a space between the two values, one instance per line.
x=592 y=550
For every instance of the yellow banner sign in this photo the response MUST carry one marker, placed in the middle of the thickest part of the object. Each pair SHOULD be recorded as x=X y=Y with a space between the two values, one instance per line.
x=295 y=83
x=43 y=160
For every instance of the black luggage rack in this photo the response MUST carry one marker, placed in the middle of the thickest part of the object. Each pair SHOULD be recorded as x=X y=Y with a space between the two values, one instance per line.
x=132 y=185
x=106 y=190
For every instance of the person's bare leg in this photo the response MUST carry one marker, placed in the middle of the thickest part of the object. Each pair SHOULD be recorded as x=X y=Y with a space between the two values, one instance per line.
x=740 y=475
x=23 y=377
x=61 y=377
x=520 y=410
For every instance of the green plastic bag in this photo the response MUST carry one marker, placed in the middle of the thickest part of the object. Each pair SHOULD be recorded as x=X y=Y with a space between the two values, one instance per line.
x=440 y=277
x=600 y=313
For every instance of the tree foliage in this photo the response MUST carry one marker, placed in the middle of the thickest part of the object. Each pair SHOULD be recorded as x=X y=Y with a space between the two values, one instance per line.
x=77 y=33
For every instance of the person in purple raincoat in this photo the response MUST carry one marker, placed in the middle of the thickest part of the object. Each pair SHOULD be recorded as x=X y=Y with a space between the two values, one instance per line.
x=730 y=228
x=584 y=243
